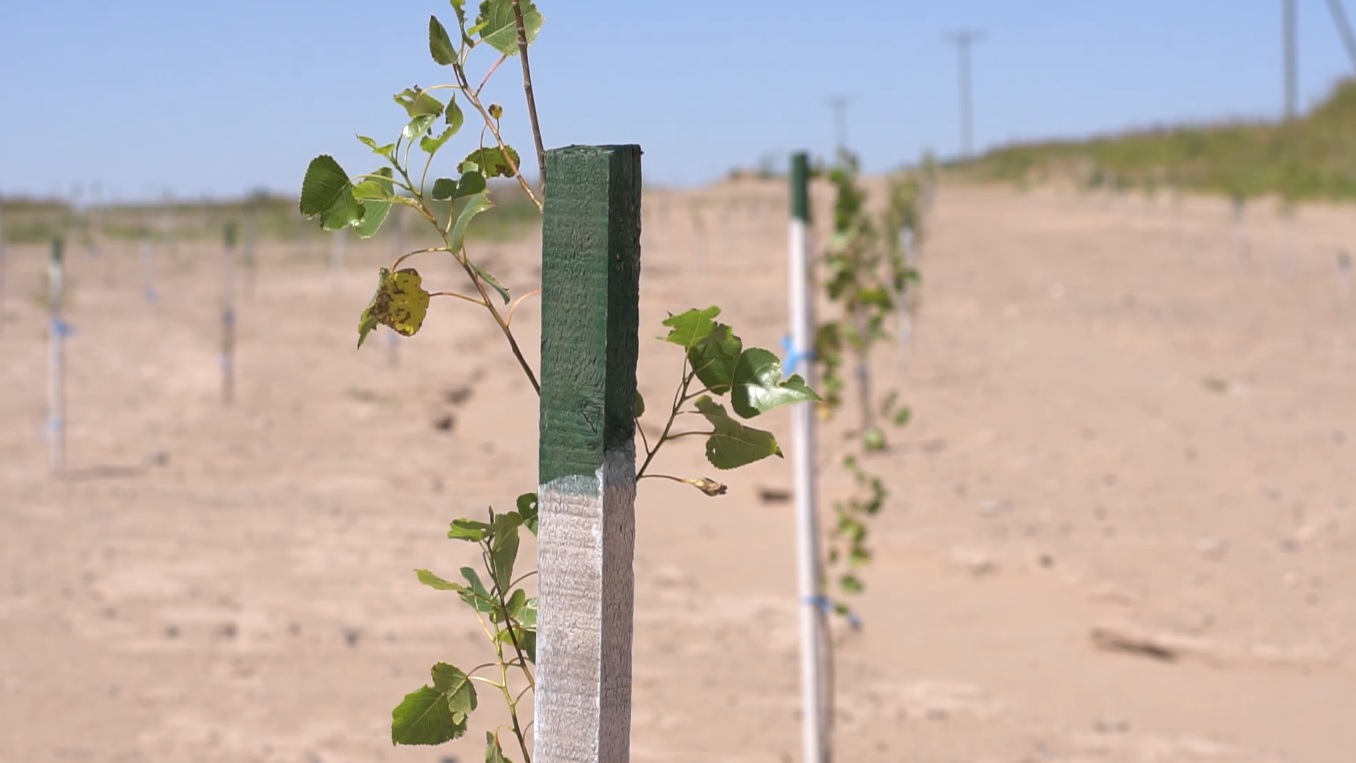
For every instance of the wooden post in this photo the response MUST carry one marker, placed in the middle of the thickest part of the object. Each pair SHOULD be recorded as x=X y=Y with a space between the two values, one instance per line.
x=904 y=327
x=813 y=724
x=248 y=253
x=146 y=256
x=1344 y=275
x=56 y=362
x=698 y=229
x=2 y=267
x=589 y=343
x=228 y=316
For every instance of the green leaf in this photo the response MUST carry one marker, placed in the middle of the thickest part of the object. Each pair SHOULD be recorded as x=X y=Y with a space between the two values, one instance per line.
x=459 y=7
x=385 y=150
x=732 y=444
x=434 y=714
x=498 y=28
x=492 y=161
x=327 y=193
x=492 y=281
x=690 y=328
x=504 y=549
x=527 y=614
x=471 y=183
x=476 y=595
x=444 y=189
x=493 y=752
x=758 y=385
x=461 y=691
x=468 y=529
x=439 y=44
x=431 y=144
x=714 y=359
x=639 y=406
x=418 y=126
x=850 y=583
x=902 y=416
x=474 y=206
x=418 y=103
x=437 y=583
x=527 y=509
x=400 y=303
x=453 y=116
x=375 y=195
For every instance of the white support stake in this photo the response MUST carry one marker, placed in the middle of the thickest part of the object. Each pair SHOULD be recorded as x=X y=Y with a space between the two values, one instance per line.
x=56 y=362
x=813 y=724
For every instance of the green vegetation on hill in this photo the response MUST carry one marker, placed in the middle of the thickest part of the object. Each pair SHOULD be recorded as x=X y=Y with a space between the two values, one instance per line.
x=1313 y=157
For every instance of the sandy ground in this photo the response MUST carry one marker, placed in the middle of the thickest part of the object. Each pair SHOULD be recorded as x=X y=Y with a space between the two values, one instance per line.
x=1122 y=524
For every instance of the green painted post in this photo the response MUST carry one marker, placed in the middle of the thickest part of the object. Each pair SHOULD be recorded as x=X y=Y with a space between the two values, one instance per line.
x=587 y=482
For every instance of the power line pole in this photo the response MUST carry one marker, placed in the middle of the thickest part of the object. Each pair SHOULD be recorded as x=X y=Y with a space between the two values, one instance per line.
x=1339 y=19
x=963 y=41
x=1288 y=24
x=839 y=105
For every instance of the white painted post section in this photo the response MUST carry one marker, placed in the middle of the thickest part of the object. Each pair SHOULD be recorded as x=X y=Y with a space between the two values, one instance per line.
x=803 y=464
x=56 y=362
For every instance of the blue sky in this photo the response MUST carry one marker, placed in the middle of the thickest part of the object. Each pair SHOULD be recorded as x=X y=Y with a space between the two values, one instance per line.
x=203 y=98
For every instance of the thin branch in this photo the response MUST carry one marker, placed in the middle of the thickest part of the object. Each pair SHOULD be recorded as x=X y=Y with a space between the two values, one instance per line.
x=472 y=300
x=408 y=255
x=514 y=306
x=527 y=93
x=486 y=78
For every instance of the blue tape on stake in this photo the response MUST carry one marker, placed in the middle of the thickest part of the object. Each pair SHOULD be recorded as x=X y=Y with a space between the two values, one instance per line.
x=149 y=294
x=823 y=604
x=61 y=328
x=793 y=356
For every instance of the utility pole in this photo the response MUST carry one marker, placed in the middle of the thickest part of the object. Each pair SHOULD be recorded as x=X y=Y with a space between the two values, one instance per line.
x=963 y=41
x=839 y=105
x=1288 y=24
x=1339 y=19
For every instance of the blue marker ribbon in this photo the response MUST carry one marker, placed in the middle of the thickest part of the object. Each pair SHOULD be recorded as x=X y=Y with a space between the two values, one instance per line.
x=794 y=356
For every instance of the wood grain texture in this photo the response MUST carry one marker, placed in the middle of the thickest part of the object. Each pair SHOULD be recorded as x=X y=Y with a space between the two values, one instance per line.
x=590 y=324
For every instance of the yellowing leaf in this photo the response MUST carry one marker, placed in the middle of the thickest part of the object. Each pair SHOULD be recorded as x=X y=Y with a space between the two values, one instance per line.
x=400 y=303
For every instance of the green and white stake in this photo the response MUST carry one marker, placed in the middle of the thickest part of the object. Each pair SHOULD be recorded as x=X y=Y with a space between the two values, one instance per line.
x=56 y=361
x=1240 y=236
x=587 y=478
x=228 y=316
x=812 y=606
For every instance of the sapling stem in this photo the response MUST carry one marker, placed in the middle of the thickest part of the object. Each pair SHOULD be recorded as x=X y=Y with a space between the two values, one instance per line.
x=527 y=93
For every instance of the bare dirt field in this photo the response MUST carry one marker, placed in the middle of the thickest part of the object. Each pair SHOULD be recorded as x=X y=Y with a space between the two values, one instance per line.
x=1122 y=525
